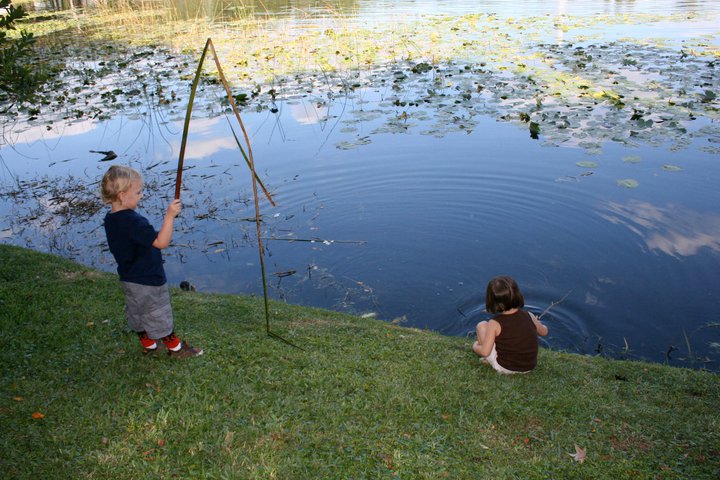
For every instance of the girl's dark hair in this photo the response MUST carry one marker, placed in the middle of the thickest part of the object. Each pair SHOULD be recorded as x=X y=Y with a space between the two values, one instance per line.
x=503 y=294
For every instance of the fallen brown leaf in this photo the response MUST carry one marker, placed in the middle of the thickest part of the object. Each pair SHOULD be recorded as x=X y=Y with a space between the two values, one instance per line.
x=579 y=455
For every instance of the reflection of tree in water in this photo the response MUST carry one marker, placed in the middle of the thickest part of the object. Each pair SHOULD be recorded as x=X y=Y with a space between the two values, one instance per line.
x=217 y=10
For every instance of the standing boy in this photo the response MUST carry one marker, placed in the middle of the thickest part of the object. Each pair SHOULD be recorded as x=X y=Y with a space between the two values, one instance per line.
x=136 y=247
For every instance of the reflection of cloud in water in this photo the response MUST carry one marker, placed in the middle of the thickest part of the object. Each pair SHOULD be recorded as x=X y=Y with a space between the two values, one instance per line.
x=675 y=230
x=202 y=140
x=593 y=300
x=43 y=133
x=308 y=113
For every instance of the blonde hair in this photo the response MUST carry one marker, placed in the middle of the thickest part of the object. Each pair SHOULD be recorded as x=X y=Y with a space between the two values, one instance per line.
x=118 y=179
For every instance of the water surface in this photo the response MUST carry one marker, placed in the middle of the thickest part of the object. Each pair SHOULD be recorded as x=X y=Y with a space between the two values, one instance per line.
x=403 y=196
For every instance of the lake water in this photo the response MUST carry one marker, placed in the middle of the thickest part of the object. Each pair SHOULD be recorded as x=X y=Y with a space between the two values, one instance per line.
x=402 y=196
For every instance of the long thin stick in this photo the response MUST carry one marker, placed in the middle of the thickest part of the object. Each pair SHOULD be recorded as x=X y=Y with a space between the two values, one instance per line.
x=247 y=161
x=186 y=126
x=231 y=100
x=317 y=240
x=553 y=304
x=250 y=162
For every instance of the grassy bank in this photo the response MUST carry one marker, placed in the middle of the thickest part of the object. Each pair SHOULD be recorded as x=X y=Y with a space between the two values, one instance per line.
x=364 y=399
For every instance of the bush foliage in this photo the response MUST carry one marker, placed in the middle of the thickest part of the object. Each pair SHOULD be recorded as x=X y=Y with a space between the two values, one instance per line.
x=18 y=78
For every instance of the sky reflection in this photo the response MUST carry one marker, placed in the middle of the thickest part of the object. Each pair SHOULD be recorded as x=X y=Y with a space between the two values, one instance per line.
x=675 y=230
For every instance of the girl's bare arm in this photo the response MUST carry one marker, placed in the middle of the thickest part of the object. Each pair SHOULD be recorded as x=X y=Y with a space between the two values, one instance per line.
x=542 y=330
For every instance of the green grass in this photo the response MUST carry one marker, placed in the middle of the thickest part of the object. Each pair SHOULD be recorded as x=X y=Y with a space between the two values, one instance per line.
x=365 y=399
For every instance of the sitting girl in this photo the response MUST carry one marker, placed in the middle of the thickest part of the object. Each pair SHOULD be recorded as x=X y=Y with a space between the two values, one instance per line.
x=508 y=341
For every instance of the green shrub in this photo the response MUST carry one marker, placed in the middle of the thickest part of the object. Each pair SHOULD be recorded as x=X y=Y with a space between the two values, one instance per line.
x=18 y=77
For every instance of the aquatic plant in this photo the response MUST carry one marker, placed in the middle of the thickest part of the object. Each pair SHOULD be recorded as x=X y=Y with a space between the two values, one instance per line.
x=450 y=69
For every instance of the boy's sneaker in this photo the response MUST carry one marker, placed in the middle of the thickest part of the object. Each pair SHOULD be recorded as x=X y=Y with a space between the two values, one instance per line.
x=152 y=351
x=186 y=351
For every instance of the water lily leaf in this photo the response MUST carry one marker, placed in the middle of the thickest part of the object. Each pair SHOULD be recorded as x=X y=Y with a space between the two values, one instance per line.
x=671 y=168
x=422 y=68
x=534 y=130
x=708 y=96
x=631 y=159
x=351 y=145
x=437 y=133
x=587 y=164
x=628 y=183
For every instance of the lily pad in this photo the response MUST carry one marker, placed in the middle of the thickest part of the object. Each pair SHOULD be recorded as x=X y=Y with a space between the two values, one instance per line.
x=345 y=145
x=628 y=183
x=671 y=168
x=587 y=164
x=631 y=159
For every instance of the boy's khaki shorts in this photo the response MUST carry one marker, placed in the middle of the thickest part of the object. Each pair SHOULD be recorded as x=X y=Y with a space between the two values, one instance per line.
x=148 y=309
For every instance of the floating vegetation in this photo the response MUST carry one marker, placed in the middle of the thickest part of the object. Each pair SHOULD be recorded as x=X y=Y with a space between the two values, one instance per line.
x=54 y=201
x=458 y=68
x=441 y=82
x=345 y=145
x=628 y=183
x=671 y=168
x=587 y=164
x=574 y=178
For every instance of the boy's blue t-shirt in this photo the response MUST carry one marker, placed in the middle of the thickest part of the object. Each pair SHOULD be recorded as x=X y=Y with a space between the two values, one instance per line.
x=130 y=237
